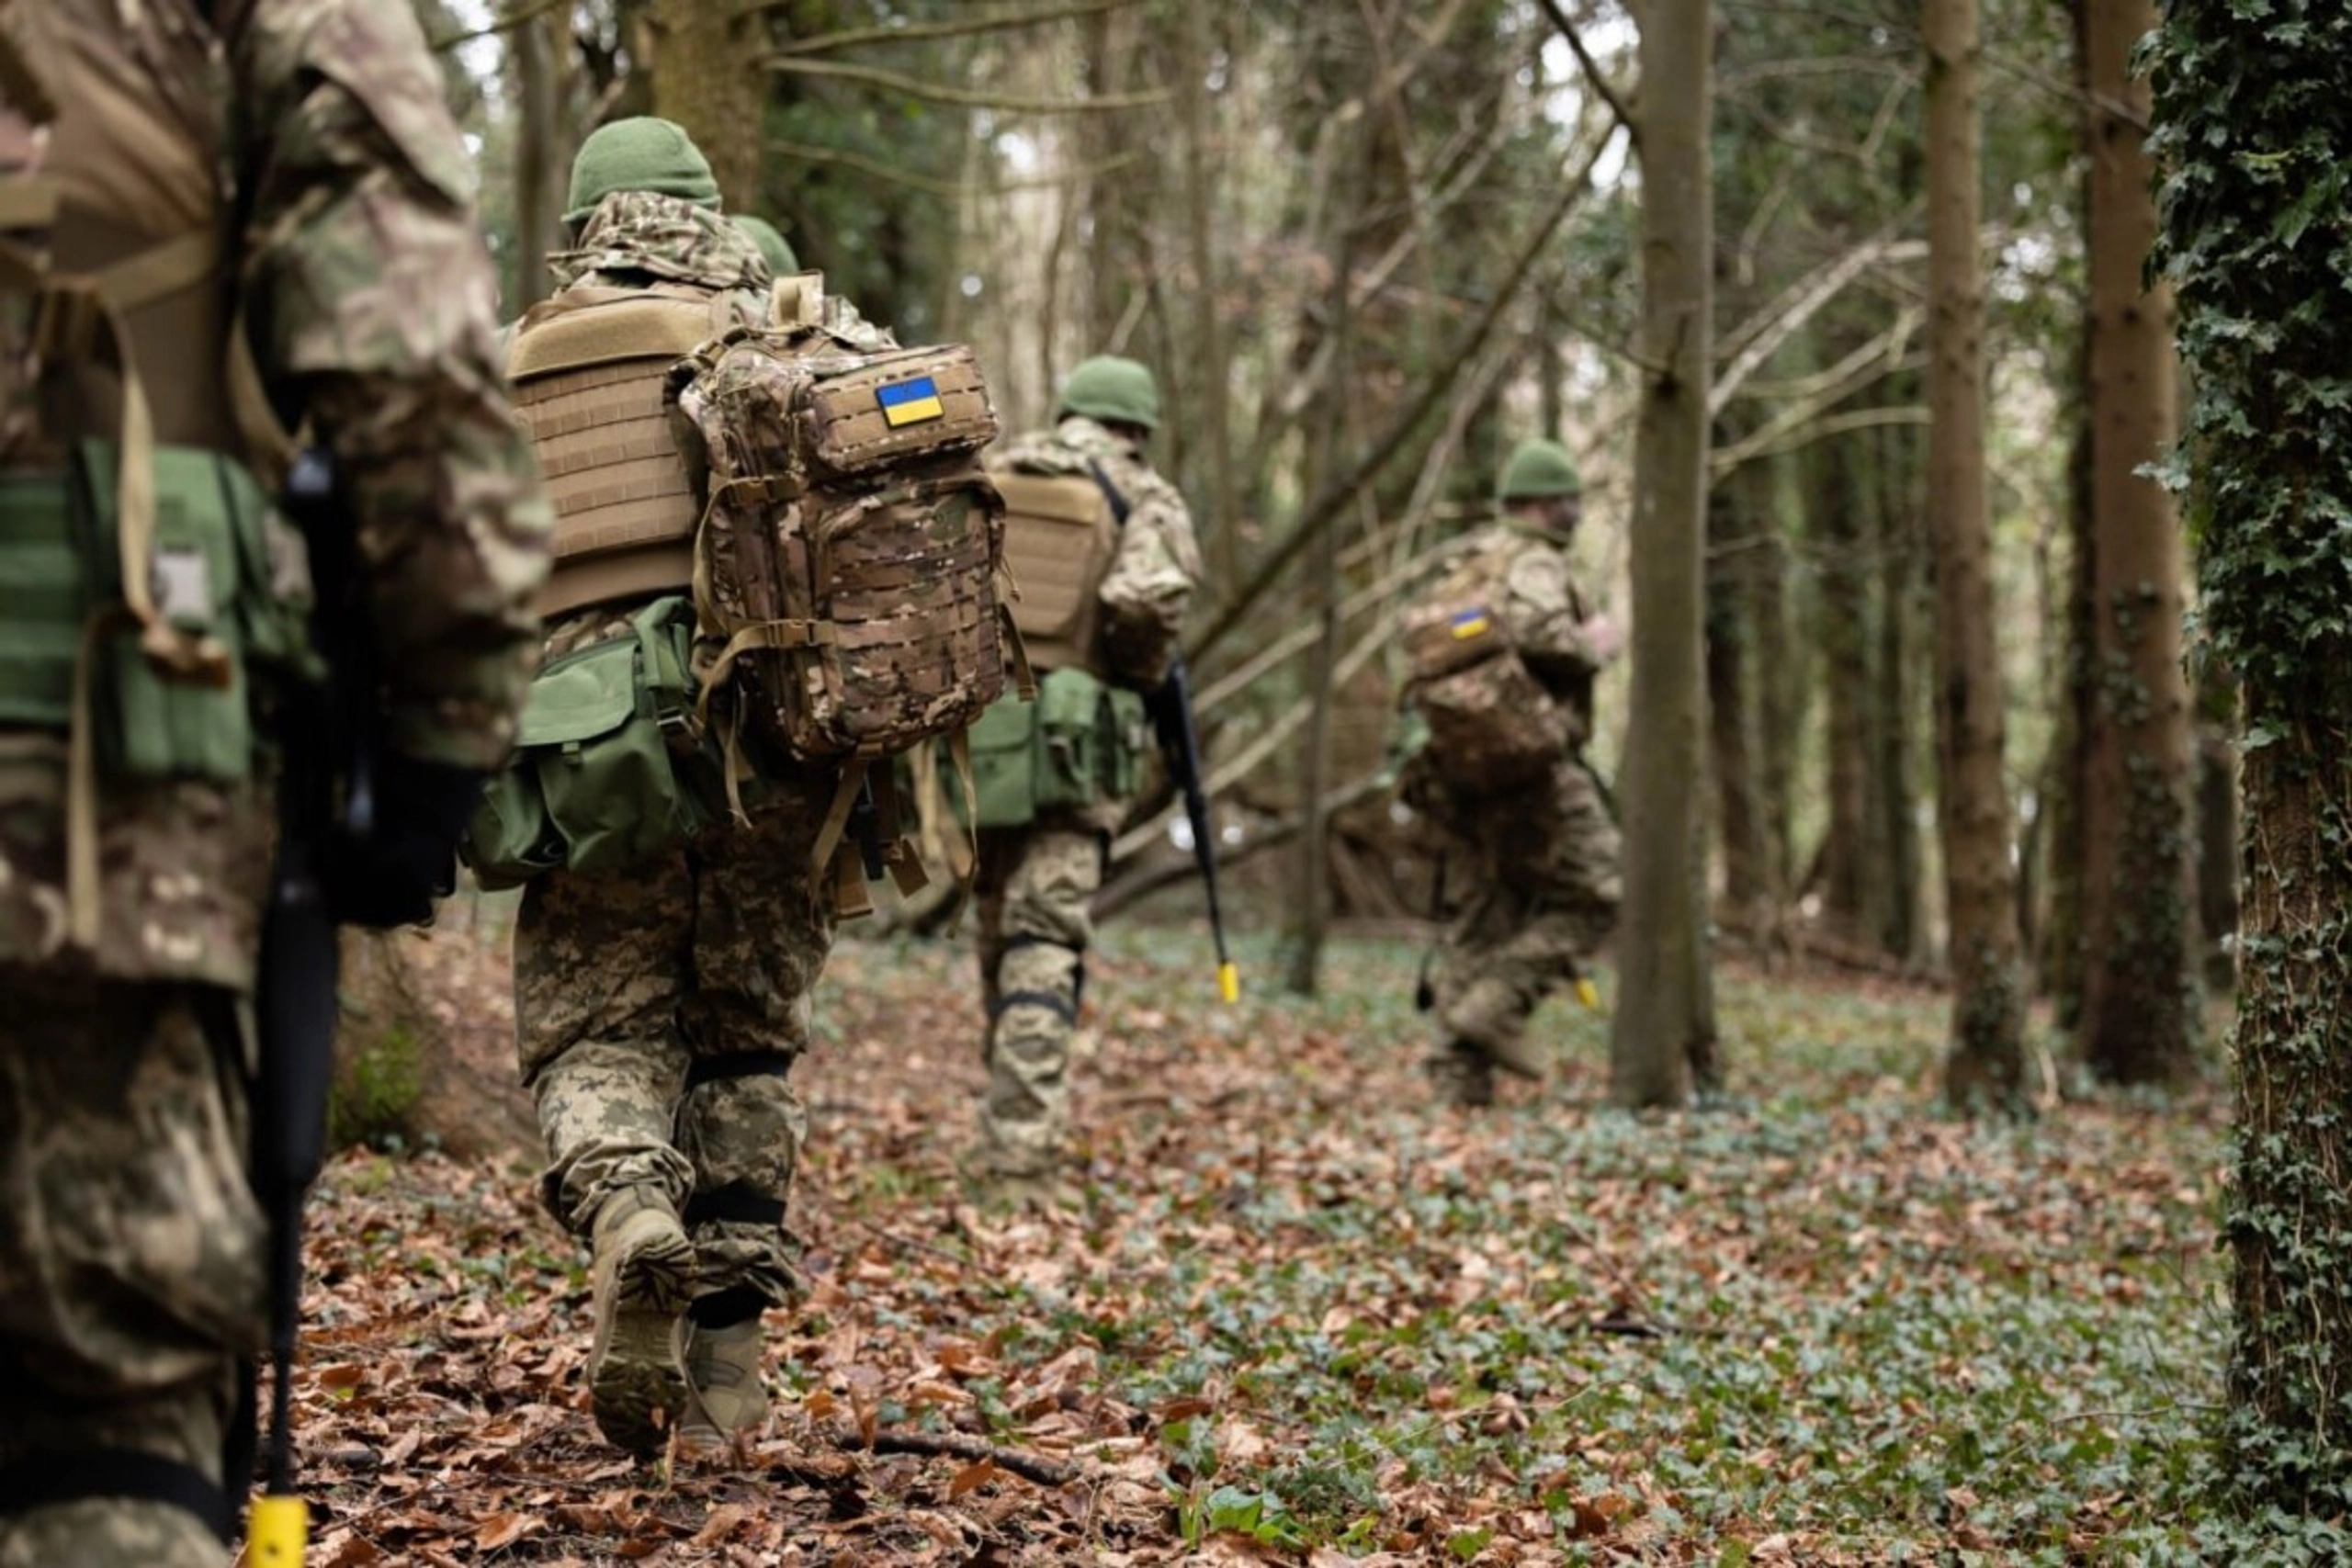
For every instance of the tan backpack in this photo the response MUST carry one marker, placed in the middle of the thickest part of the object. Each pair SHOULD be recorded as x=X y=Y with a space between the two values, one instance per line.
x=1493 y=725
x=1060 y=536
x=851 y=546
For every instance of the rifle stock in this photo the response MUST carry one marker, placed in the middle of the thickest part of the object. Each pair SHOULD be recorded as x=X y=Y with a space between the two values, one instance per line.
x=1170 y=706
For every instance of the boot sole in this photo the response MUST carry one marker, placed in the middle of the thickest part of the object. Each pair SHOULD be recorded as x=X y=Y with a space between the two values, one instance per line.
x=636 y=1368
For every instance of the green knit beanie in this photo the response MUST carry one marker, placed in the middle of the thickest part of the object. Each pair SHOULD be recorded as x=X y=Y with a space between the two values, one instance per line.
x=1539 y=470
x=773 y=246
x=1118 y=391
x=643 y=153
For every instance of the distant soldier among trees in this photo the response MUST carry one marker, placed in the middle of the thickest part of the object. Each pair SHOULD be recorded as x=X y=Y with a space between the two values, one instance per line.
x=1103 y=548
x=1502 y=656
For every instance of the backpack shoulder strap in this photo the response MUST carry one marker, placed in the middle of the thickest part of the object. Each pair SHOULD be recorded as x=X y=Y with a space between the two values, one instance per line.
x=1120 y=505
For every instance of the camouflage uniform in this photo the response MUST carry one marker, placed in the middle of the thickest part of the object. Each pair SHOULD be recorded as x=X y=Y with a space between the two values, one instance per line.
x=1540 y=860
x=659 y=1009
x=1034 y=884
x=131 y=1250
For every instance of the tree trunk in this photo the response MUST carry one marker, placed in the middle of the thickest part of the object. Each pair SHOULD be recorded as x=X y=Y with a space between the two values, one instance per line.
x=1895 y=892
x=1846 y=858
x=1986 y=1066
x=708 y=76
x=2216 y=823
x=2139 y=1010
x=1785 y=688
x=539 y=164
x=1663 y=1021
x=1212 y=433
x=2061 y=968
x=1733 y=537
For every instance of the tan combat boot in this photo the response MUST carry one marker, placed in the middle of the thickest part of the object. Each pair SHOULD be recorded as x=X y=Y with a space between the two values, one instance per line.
x=725 y=1398
x=1518 y=1055
x=1460 y=1076
x=643 y=1272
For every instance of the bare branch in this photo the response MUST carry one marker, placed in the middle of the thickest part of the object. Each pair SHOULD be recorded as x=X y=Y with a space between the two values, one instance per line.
x=952 y=190
x=1763 y=334
x=1591 y=67
x=529 y=13
x=920 y=33
x=1790 y=438
x=932 y=92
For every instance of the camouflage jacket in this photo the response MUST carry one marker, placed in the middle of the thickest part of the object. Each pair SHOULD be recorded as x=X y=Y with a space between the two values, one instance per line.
x=367 y=296
x=1526 y=580
x=1151 y=578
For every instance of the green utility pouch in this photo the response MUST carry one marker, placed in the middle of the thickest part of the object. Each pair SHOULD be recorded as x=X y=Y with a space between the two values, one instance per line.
x=1079 y=744
x=608 y=767
x=227 y=571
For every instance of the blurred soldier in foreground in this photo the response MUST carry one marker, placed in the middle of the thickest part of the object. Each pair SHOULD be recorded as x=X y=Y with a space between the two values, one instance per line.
x=1104 y=550
x=1502 y=655
x=659 y=1004
x=224 y=221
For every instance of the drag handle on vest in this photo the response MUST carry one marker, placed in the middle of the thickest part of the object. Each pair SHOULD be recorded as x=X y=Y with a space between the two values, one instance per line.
x=325 y=786
x=1170 y=706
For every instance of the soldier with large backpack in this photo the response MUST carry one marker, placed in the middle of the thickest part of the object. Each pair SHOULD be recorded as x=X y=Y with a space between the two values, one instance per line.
x=1501 y=656
x=1101 y=548
x=217 y=224
x=774 y=564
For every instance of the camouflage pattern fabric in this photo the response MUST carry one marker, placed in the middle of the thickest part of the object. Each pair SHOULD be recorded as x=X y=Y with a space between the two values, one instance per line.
x=1539 y=864
x=1032 y=888
x=636 y=237
x=1151 y=578
x=625 y=981
x=132 y=1259
x=132 y=1252
x=369 y=299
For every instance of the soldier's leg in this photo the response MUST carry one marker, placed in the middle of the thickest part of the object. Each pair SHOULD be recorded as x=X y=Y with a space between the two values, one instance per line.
x=1483 y=1001
x=600 y=963
x=1040 y=970
x=133 y=1265
x=999 y=854
x=763 y=930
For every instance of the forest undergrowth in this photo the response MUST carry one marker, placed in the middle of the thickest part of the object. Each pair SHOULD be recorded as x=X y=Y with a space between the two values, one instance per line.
x=1305 y=1317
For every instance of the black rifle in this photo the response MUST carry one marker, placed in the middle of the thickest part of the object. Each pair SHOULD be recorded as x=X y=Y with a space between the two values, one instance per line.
x=325 y=786
x=1170 y=706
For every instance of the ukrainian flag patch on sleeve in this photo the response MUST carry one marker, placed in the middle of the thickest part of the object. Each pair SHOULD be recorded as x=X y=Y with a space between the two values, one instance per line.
x=1469 y=623
x=913 y=401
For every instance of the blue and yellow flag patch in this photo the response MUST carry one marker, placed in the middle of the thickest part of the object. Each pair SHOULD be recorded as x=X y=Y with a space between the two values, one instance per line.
x=913 y=401
x=1469 y=623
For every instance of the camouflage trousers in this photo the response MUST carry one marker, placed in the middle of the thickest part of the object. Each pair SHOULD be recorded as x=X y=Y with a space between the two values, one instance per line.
x=1034 y=888
x=133 y=1258
x=658 y=1011
x=1545 y=891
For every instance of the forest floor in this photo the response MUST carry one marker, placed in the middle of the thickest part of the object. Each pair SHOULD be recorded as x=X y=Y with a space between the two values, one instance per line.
x=1303 y=1317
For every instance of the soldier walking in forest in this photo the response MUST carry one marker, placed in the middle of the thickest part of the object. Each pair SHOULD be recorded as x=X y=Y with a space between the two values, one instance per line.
x=1102 y=546
x=1502 y=656
x=157 y=635
x=662 y=998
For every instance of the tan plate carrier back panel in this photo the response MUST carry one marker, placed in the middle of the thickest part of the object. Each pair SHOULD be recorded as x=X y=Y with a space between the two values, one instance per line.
x=1060 y=537
x=588 y=384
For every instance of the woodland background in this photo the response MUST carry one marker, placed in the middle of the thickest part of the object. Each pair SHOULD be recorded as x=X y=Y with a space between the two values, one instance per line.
x=1860 y=315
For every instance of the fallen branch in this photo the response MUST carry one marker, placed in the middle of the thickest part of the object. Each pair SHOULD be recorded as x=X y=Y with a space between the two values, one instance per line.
x=955 y=1445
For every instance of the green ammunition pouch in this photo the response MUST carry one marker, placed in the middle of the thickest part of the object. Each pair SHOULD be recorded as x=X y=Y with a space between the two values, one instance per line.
x=228 y=574
x=1079 y=744
x=609 y=765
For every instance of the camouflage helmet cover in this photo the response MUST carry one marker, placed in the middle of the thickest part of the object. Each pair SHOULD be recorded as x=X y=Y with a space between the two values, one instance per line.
x=1119 y=391
x=638 y=153
x=1539 y=470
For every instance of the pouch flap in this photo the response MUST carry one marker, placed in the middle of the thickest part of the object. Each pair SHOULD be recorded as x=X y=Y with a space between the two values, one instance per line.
x=582 y=695
x=1068 y=699
x=1006 y=725
x=636 y=326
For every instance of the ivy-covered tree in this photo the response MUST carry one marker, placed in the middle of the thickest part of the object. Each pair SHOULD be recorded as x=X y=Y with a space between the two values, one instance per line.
x=2254 y=135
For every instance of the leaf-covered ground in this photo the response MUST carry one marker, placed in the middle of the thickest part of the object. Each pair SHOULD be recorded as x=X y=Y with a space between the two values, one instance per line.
x=1305 y=1317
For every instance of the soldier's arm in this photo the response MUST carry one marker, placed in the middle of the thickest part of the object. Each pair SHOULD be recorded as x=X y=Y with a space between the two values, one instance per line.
x=1546 y=616
x=371 y=303
x=1150 y=585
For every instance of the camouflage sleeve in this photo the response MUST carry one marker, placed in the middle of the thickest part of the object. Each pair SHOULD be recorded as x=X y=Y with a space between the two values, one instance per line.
x=1150 y=582
x=1546 y=616
x=370 y=305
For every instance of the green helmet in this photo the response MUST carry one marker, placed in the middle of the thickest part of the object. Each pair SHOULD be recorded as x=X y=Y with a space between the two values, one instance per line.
x=773 y=246
x=1117 y=390
x=643 y=153
x=1539 y=470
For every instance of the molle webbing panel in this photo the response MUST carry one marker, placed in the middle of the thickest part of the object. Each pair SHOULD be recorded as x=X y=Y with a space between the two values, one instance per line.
x=1060 y=537
x=588 y=385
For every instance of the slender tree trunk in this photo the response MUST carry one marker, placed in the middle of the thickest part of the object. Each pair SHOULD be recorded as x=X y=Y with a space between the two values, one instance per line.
x=1986 y=1063
x=708 y=76
x=1846 y=858
x=2139 y=1016
x=1784 y=684
x=538 y=163
x=1663 y=1021
x=1733 y=537
x=1895 y=895
x=2070 y=773
x=1213 y=436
